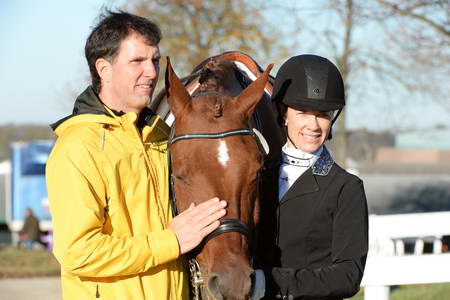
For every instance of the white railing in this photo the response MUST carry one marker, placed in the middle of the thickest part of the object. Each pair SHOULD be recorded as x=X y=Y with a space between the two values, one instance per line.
x=387 y=263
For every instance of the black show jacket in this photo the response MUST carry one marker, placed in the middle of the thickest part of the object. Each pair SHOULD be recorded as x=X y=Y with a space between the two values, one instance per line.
x=313 y=243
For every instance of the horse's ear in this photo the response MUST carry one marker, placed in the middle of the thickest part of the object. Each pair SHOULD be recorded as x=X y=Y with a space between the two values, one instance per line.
x=177 y=95
x=249 y=97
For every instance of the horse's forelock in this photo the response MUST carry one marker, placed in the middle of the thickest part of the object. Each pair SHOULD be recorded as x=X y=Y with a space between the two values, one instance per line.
x=205 y=74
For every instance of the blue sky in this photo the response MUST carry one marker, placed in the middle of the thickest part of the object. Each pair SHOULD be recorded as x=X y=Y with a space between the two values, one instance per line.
x=41 y=57
x=42 y=67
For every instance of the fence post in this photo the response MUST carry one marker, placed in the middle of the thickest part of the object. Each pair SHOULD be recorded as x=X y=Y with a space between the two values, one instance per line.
x=437 y=245
x=376 y=292
x=419 y=246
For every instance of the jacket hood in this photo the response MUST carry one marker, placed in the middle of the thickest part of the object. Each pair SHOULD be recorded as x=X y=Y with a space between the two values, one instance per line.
x=86 y=103
x=89 y=108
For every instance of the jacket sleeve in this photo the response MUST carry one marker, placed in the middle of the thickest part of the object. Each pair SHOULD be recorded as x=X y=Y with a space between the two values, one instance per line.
x=349 y=252
x=77 y=196
x=25 y=226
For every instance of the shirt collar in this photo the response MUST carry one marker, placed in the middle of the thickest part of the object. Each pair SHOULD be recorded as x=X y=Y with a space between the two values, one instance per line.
x=296 y=157
x=321 y=160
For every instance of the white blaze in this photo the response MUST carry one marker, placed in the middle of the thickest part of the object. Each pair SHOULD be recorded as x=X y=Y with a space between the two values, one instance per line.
x=223 y=153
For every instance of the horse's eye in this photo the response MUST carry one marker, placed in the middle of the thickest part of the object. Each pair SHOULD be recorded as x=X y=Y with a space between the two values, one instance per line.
x=181 y=178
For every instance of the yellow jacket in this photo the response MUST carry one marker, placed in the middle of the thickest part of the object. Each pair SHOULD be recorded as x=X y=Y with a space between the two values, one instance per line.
x=108 y=189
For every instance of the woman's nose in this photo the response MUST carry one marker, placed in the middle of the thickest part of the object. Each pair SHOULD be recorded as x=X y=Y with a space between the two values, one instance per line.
x=313 y=123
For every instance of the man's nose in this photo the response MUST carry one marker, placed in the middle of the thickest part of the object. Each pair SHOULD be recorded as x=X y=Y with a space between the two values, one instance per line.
x=151 y=70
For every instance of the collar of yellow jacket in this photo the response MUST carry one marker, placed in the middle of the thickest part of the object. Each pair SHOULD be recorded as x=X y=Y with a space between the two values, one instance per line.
x=88 y=108
x=125 y=120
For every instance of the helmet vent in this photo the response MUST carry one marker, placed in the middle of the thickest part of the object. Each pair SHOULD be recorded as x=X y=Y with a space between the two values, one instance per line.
x=317 y=70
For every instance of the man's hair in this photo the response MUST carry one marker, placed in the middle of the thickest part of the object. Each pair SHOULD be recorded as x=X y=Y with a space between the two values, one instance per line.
x=104 y=40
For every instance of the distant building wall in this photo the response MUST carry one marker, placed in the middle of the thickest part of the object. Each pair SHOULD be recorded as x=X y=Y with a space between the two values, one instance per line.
x=411 y=175
x=411 y=156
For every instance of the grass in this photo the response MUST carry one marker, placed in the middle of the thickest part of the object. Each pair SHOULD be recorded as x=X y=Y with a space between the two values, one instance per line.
x=33 y=263
x=16 y=262
x=437 y=291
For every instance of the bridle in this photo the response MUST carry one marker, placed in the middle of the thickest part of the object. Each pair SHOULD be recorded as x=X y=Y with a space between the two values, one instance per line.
x=226 y=225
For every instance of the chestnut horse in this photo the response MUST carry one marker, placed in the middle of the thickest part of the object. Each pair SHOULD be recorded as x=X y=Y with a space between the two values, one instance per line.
x=215 y=153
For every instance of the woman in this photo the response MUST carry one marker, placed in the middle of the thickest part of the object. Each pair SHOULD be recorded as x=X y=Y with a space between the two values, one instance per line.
x=314 y=221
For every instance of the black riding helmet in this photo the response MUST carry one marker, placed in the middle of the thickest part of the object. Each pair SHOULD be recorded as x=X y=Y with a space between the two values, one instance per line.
x=309 y=82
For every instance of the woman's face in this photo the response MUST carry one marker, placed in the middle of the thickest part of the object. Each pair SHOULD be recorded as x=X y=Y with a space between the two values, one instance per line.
x=307 y=129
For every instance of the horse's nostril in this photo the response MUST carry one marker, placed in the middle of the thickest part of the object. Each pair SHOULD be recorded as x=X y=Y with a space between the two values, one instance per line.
x=214 y=286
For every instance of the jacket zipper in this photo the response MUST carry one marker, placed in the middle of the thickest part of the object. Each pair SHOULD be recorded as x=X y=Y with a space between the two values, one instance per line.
x=97 y=294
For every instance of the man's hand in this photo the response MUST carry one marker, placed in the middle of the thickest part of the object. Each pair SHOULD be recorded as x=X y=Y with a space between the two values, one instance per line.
x=193 y=224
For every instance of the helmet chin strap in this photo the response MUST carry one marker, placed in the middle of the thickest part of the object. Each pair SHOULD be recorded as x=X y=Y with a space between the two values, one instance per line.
x=335 y=117
x=289 y=138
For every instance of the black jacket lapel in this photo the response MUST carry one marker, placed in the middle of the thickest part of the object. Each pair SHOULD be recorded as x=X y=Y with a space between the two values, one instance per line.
x=305 y=184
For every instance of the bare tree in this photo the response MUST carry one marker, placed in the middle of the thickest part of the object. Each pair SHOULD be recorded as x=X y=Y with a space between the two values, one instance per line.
x=195 y=30
x=383 y=48
x=346 y=11
x=419 y=32
x=330 y=28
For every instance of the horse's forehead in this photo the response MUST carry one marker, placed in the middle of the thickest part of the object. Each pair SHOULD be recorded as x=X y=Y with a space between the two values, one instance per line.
x=208 y=98
x=218 y=105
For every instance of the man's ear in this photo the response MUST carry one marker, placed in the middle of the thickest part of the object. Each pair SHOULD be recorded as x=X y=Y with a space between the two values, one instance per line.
x=103 y=69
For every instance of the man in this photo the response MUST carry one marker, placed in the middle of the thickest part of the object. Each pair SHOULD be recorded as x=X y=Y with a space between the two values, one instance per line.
x=107 y=177
x=30 y=232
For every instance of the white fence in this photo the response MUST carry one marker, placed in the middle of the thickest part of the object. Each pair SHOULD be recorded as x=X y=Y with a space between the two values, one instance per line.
x=387 y=263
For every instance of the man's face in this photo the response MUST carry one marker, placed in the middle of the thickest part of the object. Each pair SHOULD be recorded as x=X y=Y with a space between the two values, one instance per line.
x=308 y=129
x=134 y=74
